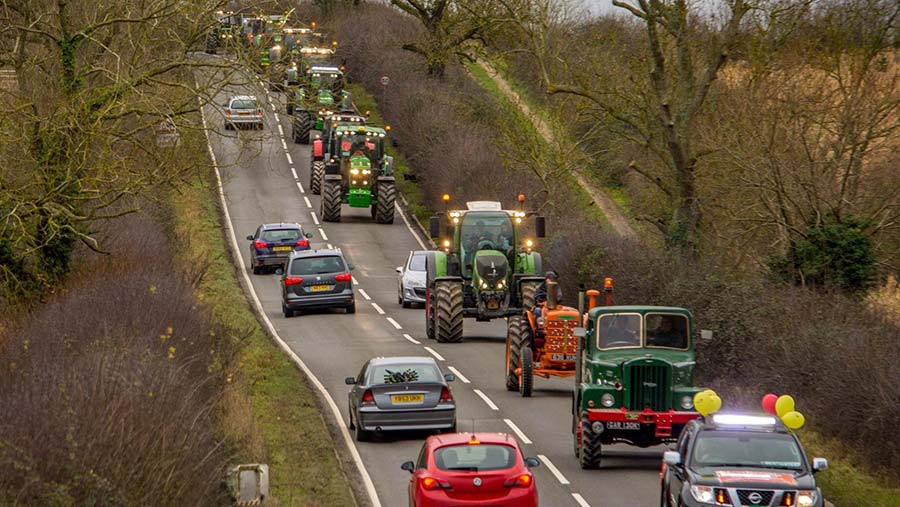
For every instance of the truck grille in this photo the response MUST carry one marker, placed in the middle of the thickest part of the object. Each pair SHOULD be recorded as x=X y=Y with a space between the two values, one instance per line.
x=648 y=386
x=759 y=497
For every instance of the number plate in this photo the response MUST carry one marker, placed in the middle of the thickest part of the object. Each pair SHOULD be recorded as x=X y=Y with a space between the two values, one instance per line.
x=493 y=305
x=398 y=399
x=618 y=425
x=320 y=288
x=282 y=248
x=563 y=357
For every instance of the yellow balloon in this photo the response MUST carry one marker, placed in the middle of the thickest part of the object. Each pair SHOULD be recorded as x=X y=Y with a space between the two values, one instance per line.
x=704 y=403
x=793 y=420
x=783 y=405
x=715 y=403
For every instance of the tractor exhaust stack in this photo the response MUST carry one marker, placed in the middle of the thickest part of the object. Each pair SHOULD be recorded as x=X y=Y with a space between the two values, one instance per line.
x=551 y=295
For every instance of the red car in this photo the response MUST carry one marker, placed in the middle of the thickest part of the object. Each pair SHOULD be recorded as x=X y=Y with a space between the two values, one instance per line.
x=472 y=469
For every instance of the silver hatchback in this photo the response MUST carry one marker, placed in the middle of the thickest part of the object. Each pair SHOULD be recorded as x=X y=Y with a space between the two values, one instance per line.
x=400 y=393
x=411 y=279
x=243 y=110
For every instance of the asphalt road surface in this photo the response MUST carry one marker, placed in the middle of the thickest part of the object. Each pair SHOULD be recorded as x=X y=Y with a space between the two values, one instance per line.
x=264 y=176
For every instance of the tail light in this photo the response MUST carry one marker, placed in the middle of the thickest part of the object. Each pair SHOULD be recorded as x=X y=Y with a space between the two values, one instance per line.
x=303 y=242
x=227 y=112
x=367 y=398
x=430 y=483
x=788 y=499
x=292 y=280
x=519 y=481
x=343 y=277
x=259 y=245
x=445 y=395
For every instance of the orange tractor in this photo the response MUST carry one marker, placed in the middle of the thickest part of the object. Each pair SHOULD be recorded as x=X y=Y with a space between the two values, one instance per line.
x=545 y=346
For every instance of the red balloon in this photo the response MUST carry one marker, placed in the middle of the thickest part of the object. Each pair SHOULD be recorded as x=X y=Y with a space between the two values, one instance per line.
x=768 y=403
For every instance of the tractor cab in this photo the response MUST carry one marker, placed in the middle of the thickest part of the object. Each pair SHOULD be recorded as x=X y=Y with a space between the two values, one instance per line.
x=313 y=56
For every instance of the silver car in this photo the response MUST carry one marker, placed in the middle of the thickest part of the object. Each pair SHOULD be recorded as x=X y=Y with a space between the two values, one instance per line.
x=243 y=110
x=411 y=279
x=400 y=393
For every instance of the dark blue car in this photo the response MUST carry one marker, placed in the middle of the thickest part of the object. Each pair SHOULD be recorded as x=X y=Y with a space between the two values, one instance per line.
x=272 y=244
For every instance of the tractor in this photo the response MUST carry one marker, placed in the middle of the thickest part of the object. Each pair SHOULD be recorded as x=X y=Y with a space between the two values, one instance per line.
x=540 y=346
x=485 y=267
x=320 y=94
x=359 y=173
x=635 y=377
x=222 y=34
x=326 y=144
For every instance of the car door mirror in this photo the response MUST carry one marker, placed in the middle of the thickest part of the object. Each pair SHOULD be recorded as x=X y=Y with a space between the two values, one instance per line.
x=399 y=269
x=532 y=462
x=308 y=235
x=279 y=271
x=250 y=237
x=819 y=464
x=672 y=458
x=350 y=381
x=449 y=377
x=350 y=267
x=409 y=466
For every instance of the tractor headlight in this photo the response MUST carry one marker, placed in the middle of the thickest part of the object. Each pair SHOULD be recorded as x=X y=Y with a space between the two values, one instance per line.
x=529 y=243
x=354 y=171
x=607 y=400
x=806 y=498
x=687 y=402
x=366 y=171
x=501 y=284
x=484 y=285
x=354 y=182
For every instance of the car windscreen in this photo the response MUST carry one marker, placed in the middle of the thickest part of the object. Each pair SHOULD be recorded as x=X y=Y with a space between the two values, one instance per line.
x=417 y=263
x=617 y=330
x=281 y=235
x=243 y=104
x=667 y=330
x=741 y=448
x=403 y=373
x=475 y=458
x=317 y=265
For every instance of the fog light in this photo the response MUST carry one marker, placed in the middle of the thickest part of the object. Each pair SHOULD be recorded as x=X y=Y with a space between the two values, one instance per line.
x=607 y=400
x=687 y=402
x=597 y=427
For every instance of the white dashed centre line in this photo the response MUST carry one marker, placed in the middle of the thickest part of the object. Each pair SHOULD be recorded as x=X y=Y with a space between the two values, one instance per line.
x=300 y=186
x=315 y=220
x=459 y=375
x=288 y=155
x=294 y=173
x=485 y=398
x=378 y=309
x=417 y=342
x=276 y=116
x=322 y=233
x=280 y=130
x=435 y=354
x=353 y=278
x=394 y=323
x=519 y=433
x=284 y=144
x=553 y=470
x=331 y=248
x=364 y=294
x=580 y=499
x=308 y=204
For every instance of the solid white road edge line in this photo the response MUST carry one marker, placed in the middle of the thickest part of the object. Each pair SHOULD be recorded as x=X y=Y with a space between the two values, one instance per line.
x=435 y=353
x=364 y=294
x=409 y=226
x=553 y=470
x=417 y=342
x=288 y=155
x=378 y=308
x=519 y=433
x=368 y=485
x=456 y=372
x=580 y=499
x=394 y=323
x=315 y=220
x=485 y=398
x=308 y=204
x=322 y=233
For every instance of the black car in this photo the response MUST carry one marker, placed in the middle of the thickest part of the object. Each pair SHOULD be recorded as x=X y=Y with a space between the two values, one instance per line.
x=739 y=460
x=317 y=279
x=272 y=244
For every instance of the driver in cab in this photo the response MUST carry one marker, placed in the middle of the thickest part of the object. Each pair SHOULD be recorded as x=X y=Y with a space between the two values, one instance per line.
x=620 y=331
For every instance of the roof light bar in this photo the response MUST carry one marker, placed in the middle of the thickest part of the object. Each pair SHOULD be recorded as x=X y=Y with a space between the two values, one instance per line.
x=743 y=420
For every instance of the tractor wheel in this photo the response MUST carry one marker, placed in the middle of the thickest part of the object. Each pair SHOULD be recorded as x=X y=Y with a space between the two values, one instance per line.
x=515 y=327
x=448 y=312
x=330 y=203
x=384 y=207
x=589 y=446
x=527 y=295
x=526 y=380
x=316 y=175
x=289 y=109
x=301 y=126
x=429 y=320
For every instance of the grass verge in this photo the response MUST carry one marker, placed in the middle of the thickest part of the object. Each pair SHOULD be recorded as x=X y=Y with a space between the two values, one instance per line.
x=844 y=483
x=270 y=411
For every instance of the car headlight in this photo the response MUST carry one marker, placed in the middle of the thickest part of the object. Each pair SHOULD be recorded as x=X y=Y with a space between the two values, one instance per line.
x=687 y=402
x=607 y=400
x=806 y=498
x=414 y=282
x=702 y=494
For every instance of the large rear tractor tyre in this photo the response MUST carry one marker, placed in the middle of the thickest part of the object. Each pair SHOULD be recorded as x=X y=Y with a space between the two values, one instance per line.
x=301 y=127
x=384 y=207
x=516 y=326
x=589 y=446
x=330 y=203
x=527 y=296
x=289 y=108
x=429 y=320
x=316 y=176
x=448 y=312
x=526 y=380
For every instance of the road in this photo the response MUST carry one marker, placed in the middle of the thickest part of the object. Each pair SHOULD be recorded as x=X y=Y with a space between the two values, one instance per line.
x=264 y=175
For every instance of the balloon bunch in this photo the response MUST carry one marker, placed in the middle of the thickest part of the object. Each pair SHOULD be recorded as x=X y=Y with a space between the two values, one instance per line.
x=783 y=407
x=707 y=402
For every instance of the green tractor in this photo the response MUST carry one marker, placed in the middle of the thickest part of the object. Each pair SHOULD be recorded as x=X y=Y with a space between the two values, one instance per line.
x=360 y=174
x=325 y=146
x=224 y=33
x=321 y=93
x=485 y=268
x=634 y=382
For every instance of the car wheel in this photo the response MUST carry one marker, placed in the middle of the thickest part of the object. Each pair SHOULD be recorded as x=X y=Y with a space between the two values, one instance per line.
x=351 y=308
x=229 y=126
x=406 y=304
x=362 y=435
x=350 y=424
x=288 y=313
x=256 y=270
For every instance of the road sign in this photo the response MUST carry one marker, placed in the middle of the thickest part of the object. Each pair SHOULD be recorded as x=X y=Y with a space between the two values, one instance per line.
x=385 y=80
